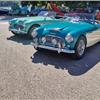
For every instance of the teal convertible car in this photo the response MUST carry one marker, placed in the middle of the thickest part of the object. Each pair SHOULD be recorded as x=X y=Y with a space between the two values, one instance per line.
x=72 y=35
x=26 y=25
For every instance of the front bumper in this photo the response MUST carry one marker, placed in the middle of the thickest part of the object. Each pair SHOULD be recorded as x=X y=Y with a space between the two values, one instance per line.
x=17 y=31
x=17 y=28
x=59 y=50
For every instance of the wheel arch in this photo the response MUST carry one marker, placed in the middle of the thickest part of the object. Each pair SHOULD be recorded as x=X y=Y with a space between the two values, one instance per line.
x=84 y=35
x=77 y=55
x=81 y=35
x=32 y=26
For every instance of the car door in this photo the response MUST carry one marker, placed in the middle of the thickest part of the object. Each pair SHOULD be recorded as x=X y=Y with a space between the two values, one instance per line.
x=93 y=37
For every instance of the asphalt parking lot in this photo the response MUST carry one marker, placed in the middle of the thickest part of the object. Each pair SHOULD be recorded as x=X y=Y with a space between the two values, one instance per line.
x=48 y=76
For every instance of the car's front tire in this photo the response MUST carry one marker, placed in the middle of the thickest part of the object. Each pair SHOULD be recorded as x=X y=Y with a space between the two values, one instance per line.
x=80 y=47
x=31 y=30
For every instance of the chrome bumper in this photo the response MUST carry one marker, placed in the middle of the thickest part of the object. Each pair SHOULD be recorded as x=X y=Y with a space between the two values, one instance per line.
x=18 y=31
x=53 y=49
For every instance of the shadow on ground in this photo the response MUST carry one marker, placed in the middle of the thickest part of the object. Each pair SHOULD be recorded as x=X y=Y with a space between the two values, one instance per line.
x=20 y=39
x=64 y=61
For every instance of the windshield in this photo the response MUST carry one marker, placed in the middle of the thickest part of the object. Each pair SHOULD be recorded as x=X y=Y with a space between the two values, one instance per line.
x=47 y=13
x=76 y=17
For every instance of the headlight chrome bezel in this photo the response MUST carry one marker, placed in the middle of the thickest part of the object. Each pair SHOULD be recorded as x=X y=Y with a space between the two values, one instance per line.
x=69 y=38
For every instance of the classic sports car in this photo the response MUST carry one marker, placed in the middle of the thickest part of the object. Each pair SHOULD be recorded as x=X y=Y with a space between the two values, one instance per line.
x=17 y=10
x=4 y=10
x=72 y=35
x=26 y=25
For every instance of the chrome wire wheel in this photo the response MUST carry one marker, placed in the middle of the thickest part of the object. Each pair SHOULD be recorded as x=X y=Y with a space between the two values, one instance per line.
x=81 y=47
x=31 y=30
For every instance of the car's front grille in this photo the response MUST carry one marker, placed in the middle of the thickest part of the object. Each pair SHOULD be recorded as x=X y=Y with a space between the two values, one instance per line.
x=49 y=39
x=17 y=26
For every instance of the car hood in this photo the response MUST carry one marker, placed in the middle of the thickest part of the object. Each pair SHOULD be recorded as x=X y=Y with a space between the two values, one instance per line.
x=30 y=19
x=62 y=28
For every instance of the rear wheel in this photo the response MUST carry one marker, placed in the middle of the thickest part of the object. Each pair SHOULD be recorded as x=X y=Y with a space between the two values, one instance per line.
x=31 y=30
x=80 y=47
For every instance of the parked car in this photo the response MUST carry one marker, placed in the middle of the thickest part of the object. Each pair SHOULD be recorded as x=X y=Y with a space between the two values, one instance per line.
x=26 y=25
x=15 y=10
x=72 y=35
x=4 y=10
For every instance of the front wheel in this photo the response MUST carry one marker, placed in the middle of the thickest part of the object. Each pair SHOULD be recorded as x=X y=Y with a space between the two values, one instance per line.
x=31 y=30
x=80 y=48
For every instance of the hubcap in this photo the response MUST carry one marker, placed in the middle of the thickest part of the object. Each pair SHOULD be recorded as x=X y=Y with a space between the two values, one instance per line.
x=81 y=47
x=32 y=32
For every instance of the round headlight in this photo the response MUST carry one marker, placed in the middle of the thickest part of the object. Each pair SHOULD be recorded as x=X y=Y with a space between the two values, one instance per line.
x=34 y=33
x=69 y=38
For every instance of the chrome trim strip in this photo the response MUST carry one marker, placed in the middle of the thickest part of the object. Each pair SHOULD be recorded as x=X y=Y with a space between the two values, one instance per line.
x=55 y=36
x=19 y=32
x=53 y=49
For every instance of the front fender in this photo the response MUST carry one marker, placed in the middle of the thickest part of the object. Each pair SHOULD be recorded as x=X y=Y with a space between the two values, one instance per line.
x=29 y=26
x=76 y=36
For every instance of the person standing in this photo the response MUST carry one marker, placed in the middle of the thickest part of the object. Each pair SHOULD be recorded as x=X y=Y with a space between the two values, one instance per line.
x=97 y=14
x=49 y=6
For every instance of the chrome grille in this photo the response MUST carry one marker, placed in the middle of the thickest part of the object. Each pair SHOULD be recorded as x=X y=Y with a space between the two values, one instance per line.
x=49 y=39
x=17 y=26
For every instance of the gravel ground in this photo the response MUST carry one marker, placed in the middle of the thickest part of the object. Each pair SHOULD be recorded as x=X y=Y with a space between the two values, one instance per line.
x=48 y=76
